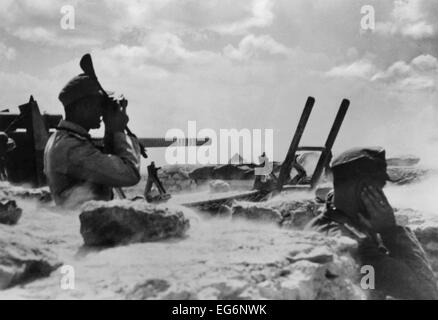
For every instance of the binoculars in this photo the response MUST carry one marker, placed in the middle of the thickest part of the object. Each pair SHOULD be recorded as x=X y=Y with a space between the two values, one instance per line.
x=114 y=103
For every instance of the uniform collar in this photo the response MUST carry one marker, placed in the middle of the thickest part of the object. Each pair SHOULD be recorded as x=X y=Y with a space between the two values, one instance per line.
x=71 y=126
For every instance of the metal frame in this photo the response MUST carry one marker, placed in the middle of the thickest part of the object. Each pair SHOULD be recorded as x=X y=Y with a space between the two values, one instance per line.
x=324 y=159
x=30 y=130
x=326 y=150
x=286 y=166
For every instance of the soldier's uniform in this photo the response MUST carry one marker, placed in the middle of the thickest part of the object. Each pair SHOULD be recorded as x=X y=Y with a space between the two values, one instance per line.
x=76 y=169
x=401 y=267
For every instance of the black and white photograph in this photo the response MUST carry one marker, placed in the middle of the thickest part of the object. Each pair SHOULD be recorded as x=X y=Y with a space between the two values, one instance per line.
x=218 y=154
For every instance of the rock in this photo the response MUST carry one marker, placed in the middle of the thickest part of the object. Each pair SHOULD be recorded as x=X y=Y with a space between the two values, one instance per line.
x=122 y=221
x=148 y=289
x=268 y=290
x=10 y=213
x=224 y=211
x=218 y=186
x=183 y=174
x=180 y=294
x=315 y=272
x=300 y=285
x=209 y=293
x=346 y=245
x=40 y=194
x=321 y=271
x=406 y=175
x=289 y=214
x=404 y=160
x=23 y=258
x=233 y=172
x=313 y=281
x=300 y=217
x=221 y=259
x=229 y=289
x=203 y=173
x=185 y=184
x=176 y=179
x=322 y=191
x=297 y=218
x=223 y=172
x=175 y=176
x=172 y=169
x=304 y=282
x=313 y=254
x=296 y=214
x=255 y=211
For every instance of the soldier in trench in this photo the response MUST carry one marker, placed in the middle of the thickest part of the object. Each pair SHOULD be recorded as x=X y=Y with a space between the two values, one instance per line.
x=77 y=170
x=358 y=208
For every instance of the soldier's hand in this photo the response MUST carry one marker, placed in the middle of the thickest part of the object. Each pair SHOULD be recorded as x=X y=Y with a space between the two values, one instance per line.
x=115 y=119
x=381 y=214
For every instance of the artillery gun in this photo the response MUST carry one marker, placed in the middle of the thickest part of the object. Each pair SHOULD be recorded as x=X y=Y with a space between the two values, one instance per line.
x=282 y=181
x=30 y=130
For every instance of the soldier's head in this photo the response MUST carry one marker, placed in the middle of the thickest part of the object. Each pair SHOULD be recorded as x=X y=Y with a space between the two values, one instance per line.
x=83 y=100
x=354 y=169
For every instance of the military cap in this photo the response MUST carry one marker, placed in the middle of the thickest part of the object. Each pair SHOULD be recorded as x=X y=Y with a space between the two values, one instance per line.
x=366 y=161
x=79 y=87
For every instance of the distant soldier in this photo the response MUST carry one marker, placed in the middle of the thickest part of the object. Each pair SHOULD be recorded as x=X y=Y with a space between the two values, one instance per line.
x=265 y=180
x=153 y=179
x=6 y=145
x=264 y=162
x=153 y=174
x=301 y=173
x=77 y=170
x=359 y=209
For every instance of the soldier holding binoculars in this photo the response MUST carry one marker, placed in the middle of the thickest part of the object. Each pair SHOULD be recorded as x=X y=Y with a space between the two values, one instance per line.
x=76 y=169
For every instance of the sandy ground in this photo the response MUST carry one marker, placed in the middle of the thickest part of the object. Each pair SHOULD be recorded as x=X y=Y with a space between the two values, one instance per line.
x=214 y=251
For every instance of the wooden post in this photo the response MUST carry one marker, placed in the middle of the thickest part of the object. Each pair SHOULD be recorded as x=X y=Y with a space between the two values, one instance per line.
x=326 y=155
x=286 y=166
x=37 y=131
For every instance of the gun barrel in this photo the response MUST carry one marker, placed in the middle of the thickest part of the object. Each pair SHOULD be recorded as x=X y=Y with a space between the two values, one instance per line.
x=162 y=142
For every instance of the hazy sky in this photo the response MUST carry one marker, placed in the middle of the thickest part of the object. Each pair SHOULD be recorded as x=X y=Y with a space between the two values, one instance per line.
x=238 y=64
